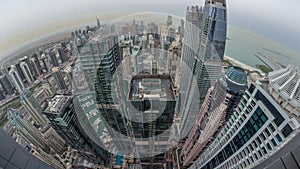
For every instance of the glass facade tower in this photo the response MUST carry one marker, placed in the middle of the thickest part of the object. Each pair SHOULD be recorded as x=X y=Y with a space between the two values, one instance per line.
x=203 y=50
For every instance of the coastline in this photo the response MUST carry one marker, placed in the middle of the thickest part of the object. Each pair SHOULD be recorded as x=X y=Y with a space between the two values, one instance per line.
x=240 y=64
x=253 y=74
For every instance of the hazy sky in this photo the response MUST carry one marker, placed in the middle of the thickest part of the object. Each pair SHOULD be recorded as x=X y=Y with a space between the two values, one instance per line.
x=24 y=20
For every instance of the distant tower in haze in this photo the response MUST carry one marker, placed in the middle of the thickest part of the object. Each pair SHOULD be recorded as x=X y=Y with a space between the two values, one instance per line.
x=27 y=72
x=59 y=78
x=62 y=55
x=36 y=62
x=53 y=58
x=98 y=23
x=16 y=78
x=36 y=67
x=27 y=61
x=20 y=72
x=46 y=64
x=169 y=21
x=7 y=86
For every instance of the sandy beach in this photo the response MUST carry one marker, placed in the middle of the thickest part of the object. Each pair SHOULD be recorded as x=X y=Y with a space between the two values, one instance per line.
x=240 y=64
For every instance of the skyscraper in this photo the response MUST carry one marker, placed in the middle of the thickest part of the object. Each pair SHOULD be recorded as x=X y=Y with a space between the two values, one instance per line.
x=53 y=57
x=27 y=131
x=203 y=50
x=36 y=64
x=98 y=23
x=109 y=90
x=104 y=50
x=219 y=104
x=27 y=72
x=257 y=128
x=19 y=70
x=61 y=114
x=62 y=55
x=59 y=78
x=190 y=45
x=27 y=61
x=152 y=105
x=7 y=86
x=16 y=78
x=32 y=106
x=64 y=120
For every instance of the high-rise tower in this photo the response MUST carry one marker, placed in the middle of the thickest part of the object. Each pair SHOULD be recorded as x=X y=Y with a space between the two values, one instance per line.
x=27 y=131
x=53 y=57
x=32 y=106
x=59 y=78
x=257 y=128
x=36 y=65
x=62 y=55
x=5 y=83
x=16 y=78
x=27 y=72
x=151 y=106
x=203 y=50
x=219 y=104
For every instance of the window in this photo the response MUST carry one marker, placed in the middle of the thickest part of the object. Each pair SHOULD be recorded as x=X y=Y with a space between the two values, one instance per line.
x=258 y=140
x=251 y=88
x=279 y=139
x=267 y=132
x=271 y=127
x=273 y=142
x=262 y=136
x=264 y=150
x=286 y=131
x=278 y=117
x=269 y=146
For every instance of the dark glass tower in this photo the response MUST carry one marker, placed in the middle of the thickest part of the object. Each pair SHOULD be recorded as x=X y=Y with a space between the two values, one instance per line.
x=62 y=55
x=151 y=107
x=7 y=86
x=59 y=78
x=53 y=58
x=204 y=61
x=62 y=116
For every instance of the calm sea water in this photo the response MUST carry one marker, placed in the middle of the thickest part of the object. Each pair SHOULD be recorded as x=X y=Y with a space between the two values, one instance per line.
x=243 y=45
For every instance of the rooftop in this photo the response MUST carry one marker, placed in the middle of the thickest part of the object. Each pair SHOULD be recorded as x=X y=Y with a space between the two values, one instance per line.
x=236 y=78
x=151 y=86
x=264 y=84
x=287 y=83
x=56 y=104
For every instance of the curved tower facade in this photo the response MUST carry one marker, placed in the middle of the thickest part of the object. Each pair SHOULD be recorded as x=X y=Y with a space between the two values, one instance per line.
x=219 y=104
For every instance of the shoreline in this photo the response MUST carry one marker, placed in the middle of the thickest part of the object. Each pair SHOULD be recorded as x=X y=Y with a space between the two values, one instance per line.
x=240 y=64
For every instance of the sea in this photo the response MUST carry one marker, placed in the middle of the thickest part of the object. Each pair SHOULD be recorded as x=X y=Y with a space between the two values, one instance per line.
x=242 y=45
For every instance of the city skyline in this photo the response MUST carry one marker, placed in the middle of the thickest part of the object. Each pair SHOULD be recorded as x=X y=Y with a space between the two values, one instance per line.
x=34 y=25
x=150 y=90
